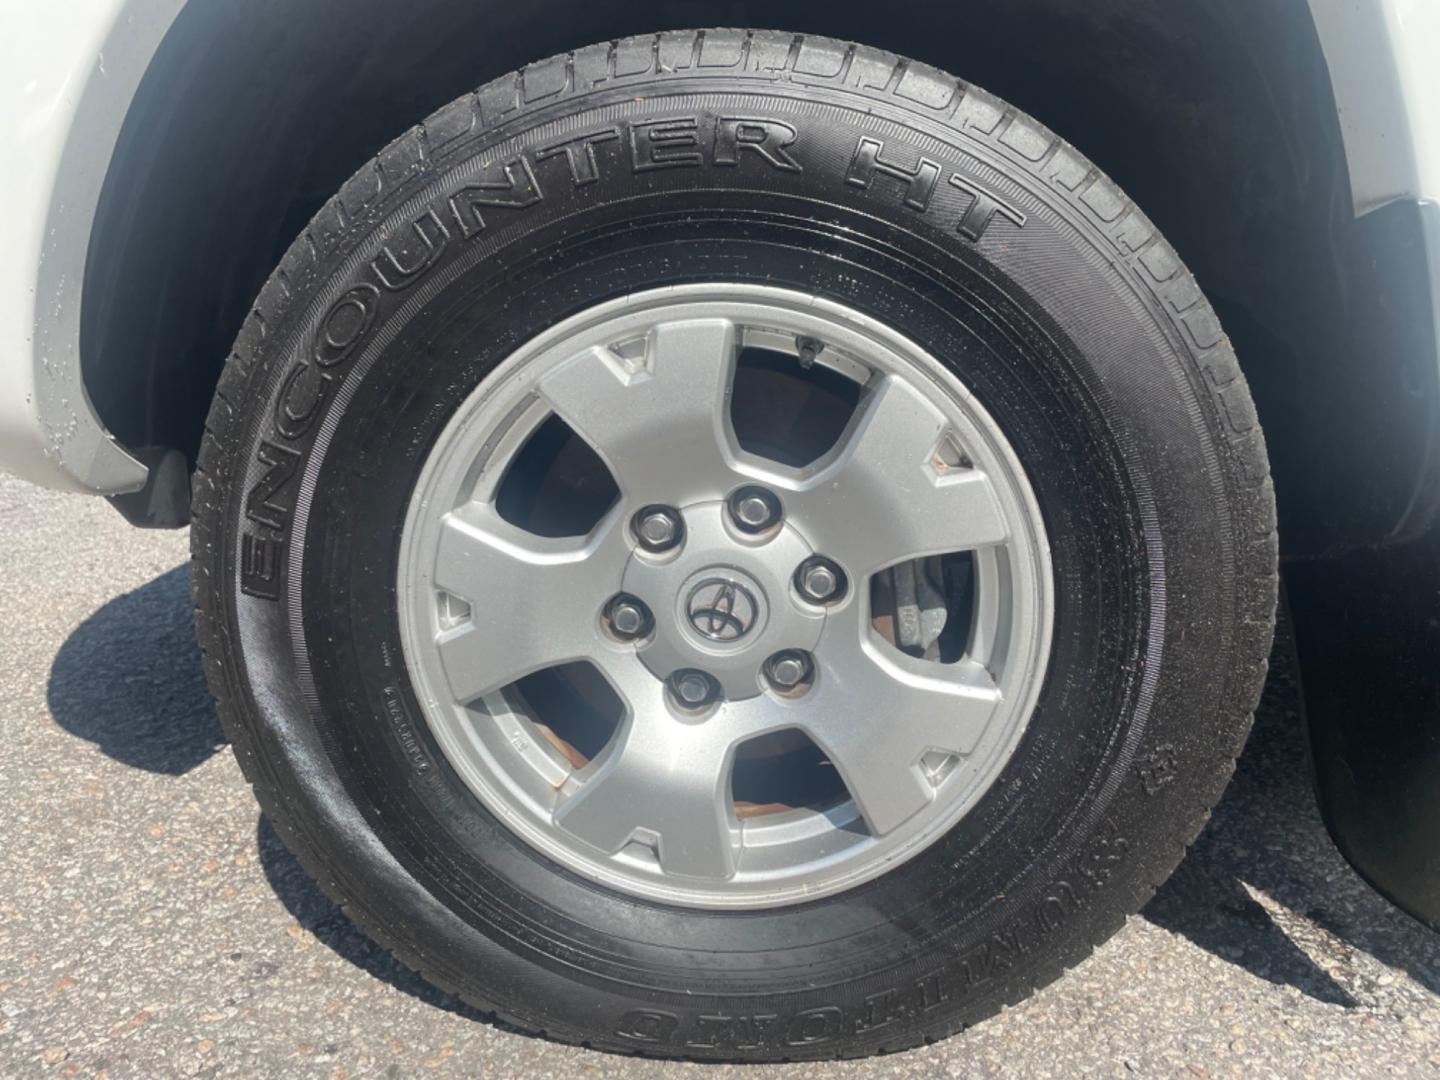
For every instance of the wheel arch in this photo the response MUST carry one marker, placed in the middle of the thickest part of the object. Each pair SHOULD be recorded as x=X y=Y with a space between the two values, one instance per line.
x=1216 y=117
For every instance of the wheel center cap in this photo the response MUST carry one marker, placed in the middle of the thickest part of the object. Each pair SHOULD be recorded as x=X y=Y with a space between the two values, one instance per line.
x=723 y=606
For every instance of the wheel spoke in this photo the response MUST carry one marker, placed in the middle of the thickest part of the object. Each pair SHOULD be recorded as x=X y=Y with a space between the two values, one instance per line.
x=534 y=601
x=635 y=792
x=662 y=428
x=877 y=715
x=883 y=473
x=659 y=780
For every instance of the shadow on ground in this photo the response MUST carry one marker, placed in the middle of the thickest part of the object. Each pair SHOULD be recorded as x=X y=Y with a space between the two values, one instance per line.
x=129 y=680
x=1266 y=836
x=320 y=915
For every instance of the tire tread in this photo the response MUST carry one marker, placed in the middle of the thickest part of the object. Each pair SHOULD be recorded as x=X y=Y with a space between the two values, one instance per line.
x=1134 y=242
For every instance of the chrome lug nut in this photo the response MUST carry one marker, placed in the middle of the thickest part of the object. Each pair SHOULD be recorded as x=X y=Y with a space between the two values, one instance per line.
x=787 y=670
x=693 y=689
x=658 y=528
x=628 y=617
x=820 y=581
x=754 y=509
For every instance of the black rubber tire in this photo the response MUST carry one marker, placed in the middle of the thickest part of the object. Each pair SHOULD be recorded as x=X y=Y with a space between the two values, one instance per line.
x=740 y=155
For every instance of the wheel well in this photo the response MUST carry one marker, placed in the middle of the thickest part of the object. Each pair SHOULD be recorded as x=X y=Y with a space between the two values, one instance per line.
x=1216 y=116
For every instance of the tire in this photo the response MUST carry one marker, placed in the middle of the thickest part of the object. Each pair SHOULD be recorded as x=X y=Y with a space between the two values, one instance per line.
x=797 y=163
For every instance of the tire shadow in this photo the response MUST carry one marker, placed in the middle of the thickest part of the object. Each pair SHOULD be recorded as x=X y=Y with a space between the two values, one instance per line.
x=316 y=912
x=1266 y=837
x=129 y=680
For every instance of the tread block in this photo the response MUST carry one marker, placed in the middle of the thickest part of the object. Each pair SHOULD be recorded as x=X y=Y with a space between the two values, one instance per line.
x=821 y=58
x=928 y=86
x=723 y=49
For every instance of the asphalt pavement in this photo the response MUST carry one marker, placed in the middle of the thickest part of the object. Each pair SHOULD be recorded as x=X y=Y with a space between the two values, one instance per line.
x=152 y=925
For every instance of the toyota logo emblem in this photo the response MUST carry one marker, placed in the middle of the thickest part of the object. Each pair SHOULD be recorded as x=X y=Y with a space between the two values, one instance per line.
x=721 y=609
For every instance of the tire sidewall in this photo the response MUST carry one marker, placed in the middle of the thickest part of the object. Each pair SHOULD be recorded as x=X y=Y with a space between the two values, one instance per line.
x=402 y=314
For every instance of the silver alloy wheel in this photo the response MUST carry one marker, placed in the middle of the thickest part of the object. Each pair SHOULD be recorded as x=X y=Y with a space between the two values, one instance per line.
x=645 y=380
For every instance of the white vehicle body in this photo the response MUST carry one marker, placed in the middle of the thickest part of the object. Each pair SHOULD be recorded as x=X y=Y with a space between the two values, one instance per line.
x=72 y=67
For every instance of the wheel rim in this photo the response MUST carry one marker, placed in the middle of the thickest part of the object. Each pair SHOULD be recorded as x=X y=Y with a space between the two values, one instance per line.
x=720 y=569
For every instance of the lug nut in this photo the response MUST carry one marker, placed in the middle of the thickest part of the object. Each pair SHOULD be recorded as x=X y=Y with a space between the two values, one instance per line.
x=628 y=617
x=754 y=509
x=787 y=670
x=692 y=689
x=658 y=528
x=820 y=581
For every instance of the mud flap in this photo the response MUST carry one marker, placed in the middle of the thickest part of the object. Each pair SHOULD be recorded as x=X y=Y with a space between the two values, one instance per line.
x=1367 y=631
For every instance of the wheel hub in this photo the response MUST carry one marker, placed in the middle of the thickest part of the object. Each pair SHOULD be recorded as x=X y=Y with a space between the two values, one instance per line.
x=723 y=601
